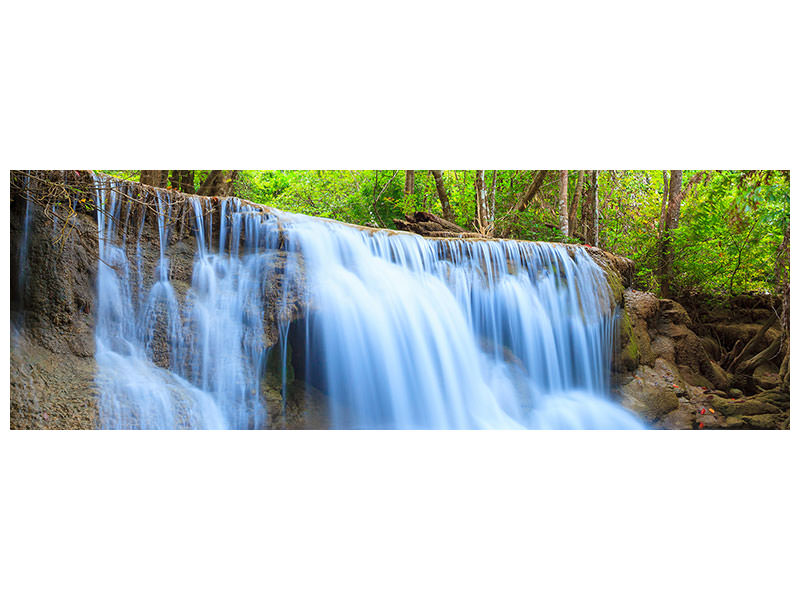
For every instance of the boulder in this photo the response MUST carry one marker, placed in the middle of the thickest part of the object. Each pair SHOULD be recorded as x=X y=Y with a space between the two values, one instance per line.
x=674 y=312
x=683 y=417
x=653 y=391
x=646 y=354
x=642 y=305
x=663 y=347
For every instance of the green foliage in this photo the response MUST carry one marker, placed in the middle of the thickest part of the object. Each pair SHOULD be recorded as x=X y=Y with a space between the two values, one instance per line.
x=730 y=232
x=730 y=227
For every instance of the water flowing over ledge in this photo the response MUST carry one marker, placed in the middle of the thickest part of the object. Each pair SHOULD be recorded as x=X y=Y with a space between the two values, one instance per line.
x=385 y=329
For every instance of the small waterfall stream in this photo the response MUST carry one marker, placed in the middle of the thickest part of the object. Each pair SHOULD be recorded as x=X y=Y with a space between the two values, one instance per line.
x=400 y=332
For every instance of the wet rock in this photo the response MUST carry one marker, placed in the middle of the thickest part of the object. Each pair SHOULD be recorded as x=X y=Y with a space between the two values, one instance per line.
x=45 y=384
x=683 y=417
x=652 y=391
x=663 y=347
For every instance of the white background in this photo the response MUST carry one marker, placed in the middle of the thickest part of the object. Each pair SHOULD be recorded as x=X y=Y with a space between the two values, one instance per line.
x=328 y=85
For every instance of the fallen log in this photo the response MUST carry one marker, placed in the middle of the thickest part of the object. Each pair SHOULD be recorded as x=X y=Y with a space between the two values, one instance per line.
x=420 y=217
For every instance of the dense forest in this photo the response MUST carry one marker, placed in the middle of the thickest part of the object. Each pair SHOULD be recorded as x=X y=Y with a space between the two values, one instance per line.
x=713 y=232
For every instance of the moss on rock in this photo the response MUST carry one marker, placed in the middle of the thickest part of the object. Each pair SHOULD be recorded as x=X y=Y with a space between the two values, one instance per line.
x=627 y=356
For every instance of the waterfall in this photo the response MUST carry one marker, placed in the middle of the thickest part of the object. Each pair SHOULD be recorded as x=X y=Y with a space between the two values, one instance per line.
x=24 y=243
x=397 y=331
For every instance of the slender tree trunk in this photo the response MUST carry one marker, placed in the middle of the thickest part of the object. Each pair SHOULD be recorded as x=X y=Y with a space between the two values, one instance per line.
x=563 y=202
x=783 y=290
x=409 y=189
x=782 y=277
x=481 y=206
x=530 y=191
x=492 y=202
x=664 y=198
x=586 y=213
x=447 y=210
x=595 y=211
x=573 y=208
x=670 y=224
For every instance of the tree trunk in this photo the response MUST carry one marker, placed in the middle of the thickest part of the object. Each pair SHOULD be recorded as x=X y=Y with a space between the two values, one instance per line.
x=563 y=202
x=409 y=189
x=595 y=211
x=530 y=191
x=670 y=224
x=481 y=205
x=573 y=209
x=589 y=213
x=664 y=198
x=218 y=183
x=782 y=277
x=447 y=210
x=492 y=202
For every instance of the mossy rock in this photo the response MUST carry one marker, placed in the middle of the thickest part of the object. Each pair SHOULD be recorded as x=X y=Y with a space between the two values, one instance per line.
x=627 y=358
x=747 y=407
x=771 y=421
x=616 y=286
x=642 y=338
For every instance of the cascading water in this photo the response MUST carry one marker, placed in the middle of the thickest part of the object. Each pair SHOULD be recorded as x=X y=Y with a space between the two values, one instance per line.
x=400 y=331
x=22 y=267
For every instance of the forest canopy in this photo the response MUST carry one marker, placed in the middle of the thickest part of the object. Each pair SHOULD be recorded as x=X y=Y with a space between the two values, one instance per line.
x=713 y=231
